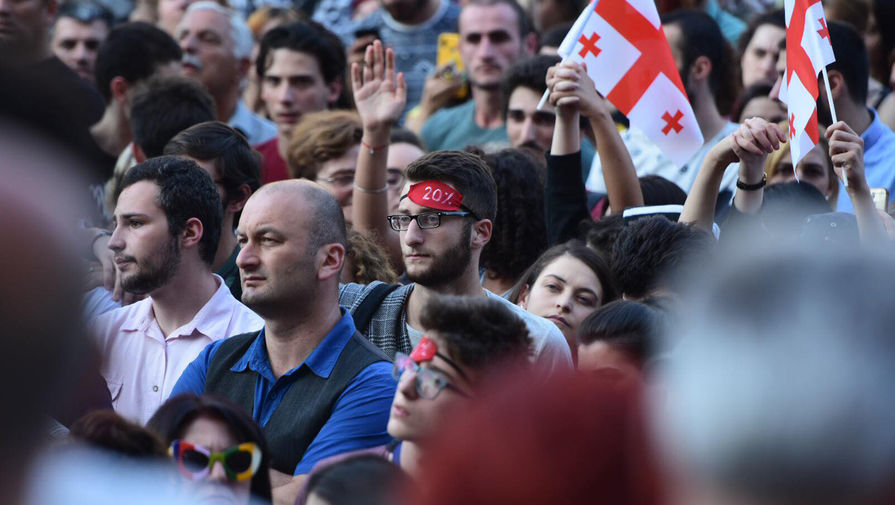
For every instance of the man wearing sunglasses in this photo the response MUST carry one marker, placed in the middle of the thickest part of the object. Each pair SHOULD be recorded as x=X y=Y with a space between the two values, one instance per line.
x=444 y=219
x=315 y=385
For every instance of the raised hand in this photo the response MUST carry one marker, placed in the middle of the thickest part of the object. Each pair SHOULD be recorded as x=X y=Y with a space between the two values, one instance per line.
x=379 y=94
x=847 y=155
x=571 y=90
x=751 y=143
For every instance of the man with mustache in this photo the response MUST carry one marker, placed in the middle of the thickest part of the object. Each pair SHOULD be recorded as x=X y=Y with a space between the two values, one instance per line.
x=217 y=49
x=168 y=219
x=494 y=34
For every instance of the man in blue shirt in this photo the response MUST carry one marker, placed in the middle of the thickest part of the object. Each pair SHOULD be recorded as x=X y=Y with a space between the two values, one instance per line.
x=314 y=384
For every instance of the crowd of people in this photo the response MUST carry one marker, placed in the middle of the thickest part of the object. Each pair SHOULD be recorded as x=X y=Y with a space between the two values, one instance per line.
x=334 y=252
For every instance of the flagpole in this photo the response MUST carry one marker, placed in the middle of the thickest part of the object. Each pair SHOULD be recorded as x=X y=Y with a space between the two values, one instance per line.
x=591 y=7
x=823 y=70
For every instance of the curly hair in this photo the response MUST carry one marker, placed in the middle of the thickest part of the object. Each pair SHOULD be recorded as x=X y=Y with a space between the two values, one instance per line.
x=520 y=232
x=368 y=260
x=477 y=331
x=651 y=249
x=320 y=137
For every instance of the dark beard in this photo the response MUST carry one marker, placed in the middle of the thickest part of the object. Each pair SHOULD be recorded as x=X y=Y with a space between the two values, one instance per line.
x=824 y=118
x=449 y=267
x=148 y=279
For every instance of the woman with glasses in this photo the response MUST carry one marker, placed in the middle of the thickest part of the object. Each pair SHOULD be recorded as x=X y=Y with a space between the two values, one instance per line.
x=212 y=440
x=468 y=342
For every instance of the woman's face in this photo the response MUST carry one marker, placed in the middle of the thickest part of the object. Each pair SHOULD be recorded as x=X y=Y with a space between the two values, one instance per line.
x=400 y=155
x=813 y=169
x=759 y=64
x=337 y=177
x=767 y=108
x=565 y=292
x=214 y=434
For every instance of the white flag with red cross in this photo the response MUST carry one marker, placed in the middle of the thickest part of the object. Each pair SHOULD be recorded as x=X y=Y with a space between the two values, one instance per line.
x=629 y=60
x=808 y=52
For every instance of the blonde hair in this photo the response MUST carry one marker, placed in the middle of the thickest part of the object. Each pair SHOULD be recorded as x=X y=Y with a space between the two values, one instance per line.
x=319 y=137
x=772 y=163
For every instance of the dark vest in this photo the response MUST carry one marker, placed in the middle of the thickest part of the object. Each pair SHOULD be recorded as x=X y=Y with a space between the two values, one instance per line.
x=306 y=405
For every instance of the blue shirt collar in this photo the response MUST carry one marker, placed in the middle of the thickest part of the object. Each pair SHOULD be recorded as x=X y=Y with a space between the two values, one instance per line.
x=873 y=132
x=321 y=361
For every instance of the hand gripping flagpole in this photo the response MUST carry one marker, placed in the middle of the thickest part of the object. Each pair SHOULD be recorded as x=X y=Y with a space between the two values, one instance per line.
x=577 y=28
x=823 y=70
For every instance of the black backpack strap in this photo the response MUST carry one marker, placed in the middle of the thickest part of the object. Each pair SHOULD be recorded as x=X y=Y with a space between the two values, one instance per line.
x=363 y=314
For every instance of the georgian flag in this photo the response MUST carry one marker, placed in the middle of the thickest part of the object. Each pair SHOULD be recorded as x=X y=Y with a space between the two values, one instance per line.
x=808 y=51
x=629 y=60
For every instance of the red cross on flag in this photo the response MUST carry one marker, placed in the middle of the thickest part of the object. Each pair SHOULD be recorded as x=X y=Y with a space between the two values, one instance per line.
x=629 y=60
x=808 y=52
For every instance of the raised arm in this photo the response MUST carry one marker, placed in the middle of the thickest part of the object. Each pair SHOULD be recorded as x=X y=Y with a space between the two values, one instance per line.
x=750 y=145
x=847 y=154
x=572 y=89
x=380 y=96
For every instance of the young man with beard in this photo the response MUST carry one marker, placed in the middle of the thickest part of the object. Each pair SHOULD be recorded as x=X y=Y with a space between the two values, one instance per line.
x=494 y=34
x=445 y=218
x=168 y=219
x=309 y=379
x=80 y=27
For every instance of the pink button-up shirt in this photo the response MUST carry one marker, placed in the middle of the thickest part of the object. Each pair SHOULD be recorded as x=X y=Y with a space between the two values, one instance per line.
x=141 y=366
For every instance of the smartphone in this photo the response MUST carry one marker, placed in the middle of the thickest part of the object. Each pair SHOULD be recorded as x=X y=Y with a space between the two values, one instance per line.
x=880 y=198
x=365 y=32
x=449 y=55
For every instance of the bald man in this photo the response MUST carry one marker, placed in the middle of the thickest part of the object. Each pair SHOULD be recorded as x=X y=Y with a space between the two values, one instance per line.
x=311 y=381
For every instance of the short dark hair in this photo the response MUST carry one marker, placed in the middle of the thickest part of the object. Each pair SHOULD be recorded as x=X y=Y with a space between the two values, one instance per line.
x=520 y=232
x=166 y=107
x=702 y=37
x=173 y=418
x=751 y=92
x=477 y=331
x=306 y=37
x=772 y=17
x=524 y=24
x=133 y=51
x=233 y=158
x=631 y=327
x=107 y=430
x=85 y=11
x=185 y=191
x=577 y=250
x=851 y=59
x=468 y=173
x=658 y=190
x=401 y=135
x=529 y=73
x=785 y=207
x=554 y=36
x=650 y=249
x=362 y=478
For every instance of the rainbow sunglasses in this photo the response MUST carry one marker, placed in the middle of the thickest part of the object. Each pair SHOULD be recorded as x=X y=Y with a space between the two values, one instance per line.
x=240 y=462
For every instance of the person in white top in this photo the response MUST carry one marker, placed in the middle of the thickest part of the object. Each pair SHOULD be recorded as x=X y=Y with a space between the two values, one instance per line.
x=168 y=220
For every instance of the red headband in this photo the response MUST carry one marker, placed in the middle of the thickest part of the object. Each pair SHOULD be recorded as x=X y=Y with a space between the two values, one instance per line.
x=435 y=195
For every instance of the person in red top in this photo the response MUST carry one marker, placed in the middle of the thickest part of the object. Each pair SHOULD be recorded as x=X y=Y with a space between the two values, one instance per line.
x=301 y=70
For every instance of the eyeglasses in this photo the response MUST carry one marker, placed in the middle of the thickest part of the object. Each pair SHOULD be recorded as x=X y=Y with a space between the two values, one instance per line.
x=342 y=180
x=425 y=220
x=240 y=462
x=428 y=382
